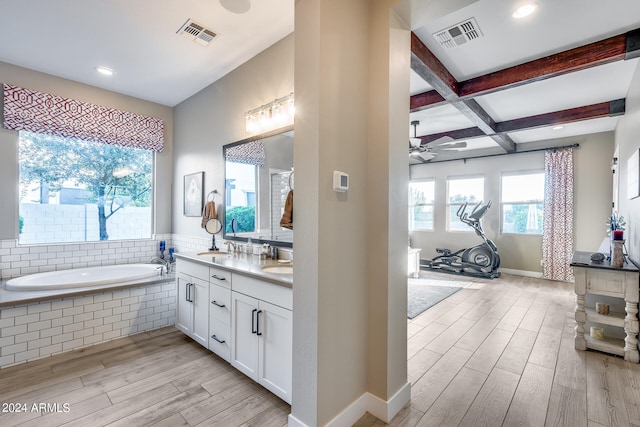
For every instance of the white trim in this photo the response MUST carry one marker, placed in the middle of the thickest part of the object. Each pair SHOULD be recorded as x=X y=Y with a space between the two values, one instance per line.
x=294 y=422
x=387 y=410
x=351 y=413
x=536 y=274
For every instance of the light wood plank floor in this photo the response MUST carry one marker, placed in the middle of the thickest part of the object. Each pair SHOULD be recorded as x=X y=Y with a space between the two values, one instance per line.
x=160 y=378
x=501 y=353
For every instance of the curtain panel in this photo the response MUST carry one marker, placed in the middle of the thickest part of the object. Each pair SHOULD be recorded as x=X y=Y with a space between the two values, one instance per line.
x=557 y=228
x=39 y=112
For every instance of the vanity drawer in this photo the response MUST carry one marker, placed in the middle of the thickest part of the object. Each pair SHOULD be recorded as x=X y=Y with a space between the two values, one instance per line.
x=219 y=334
x=193 y=269
x=220 y=277
x=220 y=307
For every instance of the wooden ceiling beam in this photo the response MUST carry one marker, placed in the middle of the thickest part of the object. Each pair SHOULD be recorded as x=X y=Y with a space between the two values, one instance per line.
x=431 y=70
x=599 y=53
x=587 y=112
x=424 y=100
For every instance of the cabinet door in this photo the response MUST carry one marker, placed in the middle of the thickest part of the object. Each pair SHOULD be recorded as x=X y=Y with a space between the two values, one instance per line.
x=275 y=332
x=184 y=315
x=200 y=298
x=244 y=341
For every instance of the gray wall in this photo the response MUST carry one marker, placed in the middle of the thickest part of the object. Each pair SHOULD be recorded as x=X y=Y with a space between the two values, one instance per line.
x=57 y=86
x=627 y=139
x=592 y=201
x=215 y=116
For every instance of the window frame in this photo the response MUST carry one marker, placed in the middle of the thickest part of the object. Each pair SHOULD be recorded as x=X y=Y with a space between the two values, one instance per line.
x=449 y=204
x=151 y=207
x=520 y=202
x=432 y=204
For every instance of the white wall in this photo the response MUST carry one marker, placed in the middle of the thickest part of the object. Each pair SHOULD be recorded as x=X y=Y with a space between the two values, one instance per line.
x=592 y=201
x=627 y=139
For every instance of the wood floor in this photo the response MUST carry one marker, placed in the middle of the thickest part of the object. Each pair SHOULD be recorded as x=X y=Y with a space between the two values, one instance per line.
x=495 y=353
x=501 y=353
x=161 y=378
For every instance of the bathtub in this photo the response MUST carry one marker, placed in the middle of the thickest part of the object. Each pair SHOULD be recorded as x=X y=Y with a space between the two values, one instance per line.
x=84 y=277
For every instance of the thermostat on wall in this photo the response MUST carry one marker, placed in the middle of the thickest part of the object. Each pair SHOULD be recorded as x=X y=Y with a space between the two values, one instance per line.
x=340 y=181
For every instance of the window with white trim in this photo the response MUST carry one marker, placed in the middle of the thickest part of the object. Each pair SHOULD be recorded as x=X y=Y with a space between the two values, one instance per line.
x=522 y=202
x=421 y=196
x=460 y=190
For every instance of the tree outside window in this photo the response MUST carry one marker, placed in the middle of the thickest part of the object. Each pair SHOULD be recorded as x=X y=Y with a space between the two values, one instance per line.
x=522 y=203
x=462 y=190
x=421 y=196
x=75 y=191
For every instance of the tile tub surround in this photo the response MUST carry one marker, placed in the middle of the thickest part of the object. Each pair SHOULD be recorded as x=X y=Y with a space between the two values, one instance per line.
x=37 y=330
x=19 y=260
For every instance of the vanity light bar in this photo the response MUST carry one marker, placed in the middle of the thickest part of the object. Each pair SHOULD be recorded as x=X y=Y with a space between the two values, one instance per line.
x=273 y=115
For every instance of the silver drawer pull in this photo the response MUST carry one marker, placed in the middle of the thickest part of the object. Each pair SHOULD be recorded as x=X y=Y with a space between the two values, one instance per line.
x=217 y=339
x=215 y=276
x=216 y=303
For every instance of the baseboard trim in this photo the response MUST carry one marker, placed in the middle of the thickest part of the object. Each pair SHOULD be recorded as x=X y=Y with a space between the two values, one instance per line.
x=384 y=410
x=536 y=274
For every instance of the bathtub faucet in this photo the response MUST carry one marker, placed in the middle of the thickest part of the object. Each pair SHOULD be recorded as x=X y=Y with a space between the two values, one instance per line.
x=165 y=262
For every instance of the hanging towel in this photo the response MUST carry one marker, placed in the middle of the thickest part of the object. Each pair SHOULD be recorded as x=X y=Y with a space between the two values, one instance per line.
x=209 y=212
x=287 y=216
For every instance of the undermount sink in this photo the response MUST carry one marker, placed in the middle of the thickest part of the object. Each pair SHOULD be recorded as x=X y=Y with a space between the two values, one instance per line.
x=212 y=253
x=278 y=269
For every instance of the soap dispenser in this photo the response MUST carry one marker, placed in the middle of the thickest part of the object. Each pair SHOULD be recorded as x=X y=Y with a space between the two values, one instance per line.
x=249 y=247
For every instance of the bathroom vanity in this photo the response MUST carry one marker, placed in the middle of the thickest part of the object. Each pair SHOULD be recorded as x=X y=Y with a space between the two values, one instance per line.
x=240 y=307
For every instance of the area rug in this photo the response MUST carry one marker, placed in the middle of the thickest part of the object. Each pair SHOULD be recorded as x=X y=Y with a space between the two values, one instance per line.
x=425 y=293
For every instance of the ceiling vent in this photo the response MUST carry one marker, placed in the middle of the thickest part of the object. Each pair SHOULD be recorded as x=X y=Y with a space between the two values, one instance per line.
x=461 y=33
x=196 y=32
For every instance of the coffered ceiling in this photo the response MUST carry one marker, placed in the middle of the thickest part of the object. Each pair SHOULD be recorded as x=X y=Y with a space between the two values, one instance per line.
x=563 y=71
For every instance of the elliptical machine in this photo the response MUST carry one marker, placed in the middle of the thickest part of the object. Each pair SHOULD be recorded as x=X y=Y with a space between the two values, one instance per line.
x=481 y=260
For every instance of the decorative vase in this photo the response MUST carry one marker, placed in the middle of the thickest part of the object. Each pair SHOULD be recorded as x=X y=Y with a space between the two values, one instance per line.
x=617 y=258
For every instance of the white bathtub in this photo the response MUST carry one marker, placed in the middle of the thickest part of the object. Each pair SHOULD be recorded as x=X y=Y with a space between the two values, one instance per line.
x=83 y=277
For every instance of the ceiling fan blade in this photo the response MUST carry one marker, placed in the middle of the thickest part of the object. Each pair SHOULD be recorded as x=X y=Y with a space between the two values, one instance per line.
x=426 y=155
x=452 y=146
x=441 y=140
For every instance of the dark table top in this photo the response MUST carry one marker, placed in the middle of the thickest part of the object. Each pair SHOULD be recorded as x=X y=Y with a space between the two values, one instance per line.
x=583 y=259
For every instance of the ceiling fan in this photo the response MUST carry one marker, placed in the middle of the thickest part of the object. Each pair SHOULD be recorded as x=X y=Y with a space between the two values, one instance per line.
x=424 y=152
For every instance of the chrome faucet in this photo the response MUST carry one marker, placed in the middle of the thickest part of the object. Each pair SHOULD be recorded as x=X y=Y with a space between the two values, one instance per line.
x=230 y=245
x=165 y=262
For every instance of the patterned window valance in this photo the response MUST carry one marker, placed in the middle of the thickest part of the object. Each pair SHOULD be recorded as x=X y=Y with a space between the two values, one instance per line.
x=40 y=112
x=251 y=153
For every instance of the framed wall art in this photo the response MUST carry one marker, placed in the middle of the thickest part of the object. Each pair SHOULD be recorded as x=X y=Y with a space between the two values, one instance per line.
x=193 y=194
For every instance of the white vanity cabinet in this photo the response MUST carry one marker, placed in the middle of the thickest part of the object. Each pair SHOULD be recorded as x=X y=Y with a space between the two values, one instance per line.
x=192 y=315
x=261 y=325
x=220 y=312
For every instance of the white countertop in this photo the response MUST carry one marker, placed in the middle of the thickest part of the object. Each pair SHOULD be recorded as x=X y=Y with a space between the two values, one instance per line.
x=249 y=265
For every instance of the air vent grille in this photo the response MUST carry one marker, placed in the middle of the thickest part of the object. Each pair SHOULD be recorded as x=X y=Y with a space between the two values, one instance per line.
x=196 y=32
x=459 y=34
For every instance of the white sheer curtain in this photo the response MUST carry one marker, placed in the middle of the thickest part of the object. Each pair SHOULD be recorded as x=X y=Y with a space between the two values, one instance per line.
x=557 y=229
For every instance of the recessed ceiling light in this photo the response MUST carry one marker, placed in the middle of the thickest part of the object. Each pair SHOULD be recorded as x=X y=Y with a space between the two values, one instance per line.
x=557 y=127
x=105 y=70
x=525 y=10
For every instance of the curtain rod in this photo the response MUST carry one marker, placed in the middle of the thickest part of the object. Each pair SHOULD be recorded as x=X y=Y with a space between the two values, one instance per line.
x=502 y=154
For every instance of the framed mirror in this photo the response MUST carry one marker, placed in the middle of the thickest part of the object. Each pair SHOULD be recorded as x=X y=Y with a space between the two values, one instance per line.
x=258 y=180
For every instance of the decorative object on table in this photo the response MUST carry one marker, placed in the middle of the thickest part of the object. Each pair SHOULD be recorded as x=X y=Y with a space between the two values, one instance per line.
x=602 y=308
x=596 y=333
x=617 y=257
x=597 y=257
x=193 y=195
x=615 y=229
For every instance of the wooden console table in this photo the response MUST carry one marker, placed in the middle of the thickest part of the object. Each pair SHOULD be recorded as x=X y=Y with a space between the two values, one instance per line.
x=621 y=284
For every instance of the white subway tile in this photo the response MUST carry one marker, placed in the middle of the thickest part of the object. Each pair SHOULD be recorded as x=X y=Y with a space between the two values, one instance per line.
x=129 y=301
x=93 y=339
x=52 y=349
x=19 y=251
x=13 y=349
x=21 y=320
x=79 y=318
x=62 y=338
x=103 y=329
x=113 y=303
x=83 y=300
x=53 y=314
x=7 y=360
x=74 y=327
x=153 y=317
x=82 y=333
x=13 y=330
x=42 y=342
x=65 y=303
x=103 y=297
x=29 y=257
x=51 y=332
x=112 y=319
x=160 y=309
x=10 y=340
x=29 y=336
x=121 y=325
x=38 y=308
x=37 y=326
x=160 y=323
x=112 y=334
x=70 y=345
x=61 y=321
x=93 y=307
x=9 y=321
x=27 y=355
x=93 y=323
x=72 y=311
